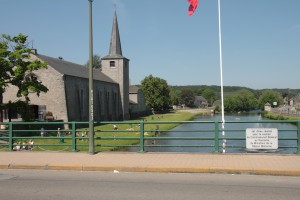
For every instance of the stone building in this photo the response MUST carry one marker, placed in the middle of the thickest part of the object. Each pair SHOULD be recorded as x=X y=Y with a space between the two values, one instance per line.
x=137 y=104
x=67 y=98
x=200 y=102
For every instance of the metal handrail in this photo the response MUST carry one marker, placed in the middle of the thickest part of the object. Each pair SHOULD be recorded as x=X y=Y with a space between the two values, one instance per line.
x=73 y=140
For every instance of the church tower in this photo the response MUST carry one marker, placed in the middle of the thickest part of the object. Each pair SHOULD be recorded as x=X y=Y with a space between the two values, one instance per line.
x=116 y=67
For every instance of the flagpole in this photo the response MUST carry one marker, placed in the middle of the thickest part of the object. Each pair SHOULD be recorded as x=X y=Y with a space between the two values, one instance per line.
x=221 y=74
x=91 y=86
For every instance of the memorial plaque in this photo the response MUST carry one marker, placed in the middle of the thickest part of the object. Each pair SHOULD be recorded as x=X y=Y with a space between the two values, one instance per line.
x=261 y=138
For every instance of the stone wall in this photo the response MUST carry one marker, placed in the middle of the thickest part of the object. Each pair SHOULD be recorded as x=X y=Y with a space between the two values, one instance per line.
x=106 y=100
x=54 y=99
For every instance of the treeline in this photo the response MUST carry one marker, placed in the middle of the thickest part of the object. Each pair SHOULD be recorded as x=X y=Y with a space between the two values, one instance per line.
x=235 y=98
x=228 y=90
x=161 y=96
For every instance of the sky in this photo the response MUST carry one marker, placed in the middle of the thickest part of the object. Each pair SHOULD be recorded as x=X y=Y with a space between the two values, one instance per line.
x=260 y=38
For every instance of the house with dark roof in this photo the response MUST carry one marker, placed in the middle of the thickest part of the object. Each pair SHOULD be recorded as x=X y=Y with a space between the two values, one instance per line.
x=200 y=102
x=68 y=98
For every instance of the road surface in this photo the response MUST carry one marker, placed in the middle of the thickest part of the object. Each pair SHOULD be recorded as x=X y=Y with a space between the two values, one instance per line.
x=75 y=185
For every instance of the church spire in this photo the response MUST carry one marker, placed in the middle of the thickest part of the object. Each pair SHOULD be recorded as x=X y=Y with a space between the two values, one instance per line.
x=115 y=49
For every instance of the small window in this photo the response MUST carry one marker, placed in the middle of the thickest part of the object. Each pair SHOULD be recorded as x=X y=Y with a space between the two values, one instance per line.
x=112 y=63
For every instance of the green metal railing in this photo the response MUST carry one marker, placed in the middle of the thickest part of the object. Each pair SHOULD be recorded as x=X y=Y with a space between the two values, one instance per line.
x=144 y=135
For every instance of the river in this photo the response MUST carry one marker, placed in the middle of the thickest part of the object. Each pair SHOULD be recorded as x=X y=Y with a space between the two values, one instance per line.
x=231 y=144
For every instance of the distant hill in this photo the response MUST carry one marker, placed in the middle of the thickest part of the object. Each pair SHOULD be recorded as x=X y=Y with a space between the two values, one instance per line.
x=232 y=89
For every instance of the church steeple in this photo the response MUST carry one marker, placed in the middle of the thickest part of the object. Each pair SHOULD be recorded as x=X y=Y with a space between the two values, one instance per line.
x=115 y=49
x=116 y=66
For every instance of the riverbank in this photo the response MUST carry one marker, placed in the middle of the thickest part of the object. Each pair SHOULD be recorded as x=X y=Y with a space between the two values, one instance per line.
x=197 y=111
x=274 y=116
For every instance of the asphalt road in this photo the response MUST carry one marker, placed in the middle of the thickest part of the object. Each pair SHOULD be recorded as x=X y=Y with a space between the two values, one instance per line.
x=60 y=185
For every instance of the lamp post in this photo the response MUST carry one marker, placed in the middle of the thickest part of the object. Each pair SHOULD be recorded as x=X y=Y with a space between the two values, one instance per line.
x=91 y=95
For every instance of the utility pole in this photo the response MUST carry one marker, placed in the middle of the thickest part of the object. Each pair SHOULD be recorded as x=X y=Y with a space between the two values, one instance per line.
x=91 y=90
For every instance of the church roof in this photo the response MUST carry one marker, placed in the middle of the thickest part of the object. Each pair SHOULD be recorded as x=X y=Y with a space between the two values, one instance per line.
x=73 y=69
x=133 y=89
x=115 y=49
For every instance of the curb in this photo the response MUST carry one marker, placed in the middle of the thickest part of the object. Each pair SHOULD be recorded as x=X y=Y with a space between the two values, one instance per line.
x=155 y=169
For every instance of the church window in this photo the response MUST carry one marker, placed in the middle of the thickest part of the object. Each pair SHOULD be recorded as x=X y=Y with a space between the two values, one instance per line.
x=107 y=103
x=81 y=102
x=100 y=103
x=112 y=64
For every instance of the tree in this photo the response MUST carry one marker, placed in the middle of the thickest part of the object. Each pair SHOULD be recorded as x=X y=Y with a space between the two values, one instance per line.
x=156 y=92
x=209 y=95
x=175 y=96
x=244 y=100
x=270 y=96
x=187 y=97
x=96 y=62
x=16 y=68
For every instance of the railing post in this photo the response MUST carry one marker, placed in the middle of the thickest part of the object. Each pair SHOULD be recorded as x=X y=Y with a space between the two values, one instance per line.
x=298 y=138
x=74 y=137
x=217 y=137
x=142 y=148
x=10 y=135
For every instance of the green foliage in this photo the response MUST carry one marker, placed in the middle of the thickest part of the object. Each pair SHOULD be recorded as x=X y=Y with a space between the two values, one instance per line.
x=187 y=97
x=156 y=92
x=218 y=108
x=22 y=108
x=244 y=100
x=270 y=96
x=96 y=62
x=229 y=90
x=209 y=95
x=16 y=67
x=175 y=97
x=274 y=116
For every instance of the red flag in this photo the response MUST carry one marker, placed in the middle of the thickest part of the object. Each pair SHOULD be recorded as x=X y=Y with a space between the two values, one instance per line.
x=192 y=7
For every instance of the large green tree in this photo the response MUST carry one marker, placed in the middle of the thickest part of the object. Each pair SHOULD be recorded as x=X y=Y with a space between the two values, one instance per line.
x=270 y=96
x=156 y=92
x=16 y=68
x=243 y=100
x=209 y=95
x=187 y=97
x=175 y=97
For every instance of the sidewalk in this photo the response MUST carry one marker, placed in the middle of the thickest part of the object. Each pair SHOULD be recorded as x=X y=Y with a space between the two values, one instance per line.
x=267 y=164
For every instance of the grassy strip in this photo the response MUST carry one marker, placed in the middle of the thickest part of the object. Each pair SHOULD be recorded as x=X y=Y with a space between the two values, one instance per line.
x=274 y=116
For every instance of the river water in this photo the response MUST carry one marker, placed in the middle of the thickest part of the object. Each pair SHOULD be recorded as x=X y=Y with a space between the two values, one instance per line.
x=230 y=144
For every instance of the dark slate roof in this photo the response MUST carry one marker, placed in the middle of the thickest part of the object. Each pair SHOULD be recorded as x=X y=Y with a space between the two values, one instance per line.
x=115 y=41
x=73 y=69
x=133 y=89
x=115 y=49
x=200 y=98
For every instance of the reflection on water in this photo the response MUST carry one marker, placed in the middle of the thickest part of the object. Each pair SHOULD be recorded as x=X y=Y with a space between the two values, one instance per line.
x=234 y=130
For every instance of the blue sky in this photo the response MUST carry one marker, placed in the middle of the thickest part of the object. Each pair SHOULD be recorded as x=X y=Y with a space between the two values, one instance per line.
x=260 y=38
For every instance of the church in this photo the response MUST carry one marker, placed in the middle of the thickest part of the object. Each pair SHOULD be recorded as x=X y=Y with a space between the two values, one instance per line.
x=67 y=98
